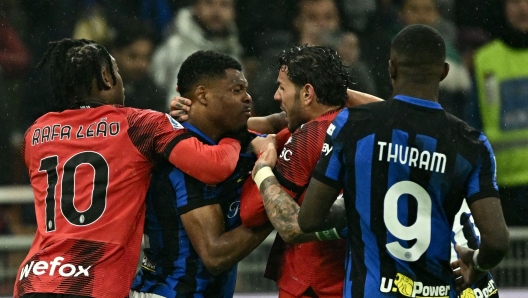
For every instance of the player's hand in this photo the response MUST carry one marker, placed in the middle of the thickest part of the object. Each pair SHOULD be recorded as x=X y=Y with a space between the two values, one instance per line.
x=463 y=271
x=267 y=159
x=260 y=144
x=356 y=98
x=179 y=107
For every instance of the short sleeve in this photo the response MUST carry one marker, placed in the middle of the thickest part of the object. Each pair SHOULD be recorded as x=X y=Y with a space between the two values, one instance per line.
x=482 y=181
x=329 y=170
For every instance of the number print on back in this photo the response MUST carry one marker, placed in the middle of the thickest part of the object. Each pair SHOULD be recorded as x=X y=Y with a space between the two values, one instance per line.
x=98 y=195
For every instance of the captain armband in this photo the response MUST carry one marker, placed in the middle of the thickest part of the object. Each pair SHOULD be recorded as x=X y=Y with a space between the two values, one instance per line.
x=331 y=234
x=262 y=174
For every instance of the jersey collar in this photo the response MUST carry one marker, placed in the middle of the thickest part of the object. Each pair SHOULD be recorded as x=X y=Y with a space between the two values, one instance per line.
x=419 y=101
x=197 y=131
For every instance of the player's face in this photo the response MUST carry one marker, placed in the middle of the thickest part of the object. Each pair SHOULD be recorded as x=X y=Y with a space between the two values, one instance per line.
x=216 y=15
x=289 y=97
x=230 y=102
x=316 y=17
x=134 y=59
x=419 y=12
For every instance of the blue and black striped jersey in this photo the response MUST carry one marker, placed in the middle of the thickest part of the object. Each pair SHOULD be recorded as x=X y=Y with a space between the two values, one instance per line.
x=405 y=166
x=171 y=266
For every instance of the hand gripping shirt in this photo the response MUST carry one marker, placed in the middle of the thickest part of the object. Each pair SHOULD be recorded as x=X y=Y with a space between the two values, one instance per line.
x=297 y=267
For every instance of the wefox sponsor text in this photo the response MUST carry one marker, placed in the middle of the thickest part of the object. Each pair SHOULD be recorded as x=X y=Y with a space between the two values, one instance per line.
x=52 y=268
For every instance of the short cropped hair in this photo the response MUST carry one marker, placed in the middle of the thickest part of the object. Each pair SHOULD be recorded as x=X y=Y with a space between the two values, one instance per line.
x=419 y=46
x=204 y=65
x=319 y=66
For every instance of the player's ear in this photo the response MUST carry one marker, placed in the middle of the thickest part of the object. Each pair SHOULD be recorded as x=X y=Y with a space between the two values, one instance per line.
x=308 y=94
x=107 y=79
x=199 y=94
x=393 y=72
x=445 y=71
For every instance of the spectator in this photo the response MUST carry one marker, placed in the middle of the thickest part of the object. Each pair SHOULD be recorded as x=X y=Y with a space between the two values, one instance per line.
x=132 y=49
x=454 y=87
x=316 y=22
x=206 y=25
x=502 y=82
x=14 y=61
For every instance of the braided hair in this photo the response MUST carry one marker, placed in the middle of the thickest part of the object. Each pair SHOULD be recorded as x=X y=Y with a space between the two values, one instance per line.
x=74 y=63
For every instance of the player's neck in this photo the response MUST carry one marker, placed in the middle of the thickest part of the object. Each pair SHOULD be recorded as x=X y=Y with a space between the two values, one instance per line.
x=320 y=109
x=209 y=129
x=427 y=92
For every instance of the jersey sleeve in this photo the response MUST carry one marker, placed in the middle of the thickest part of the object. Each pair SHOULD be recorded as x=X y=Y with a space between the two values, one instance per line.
x=330 y=169
x=158 y=134
x=209 y=164
x=252 y=211
x=482 y=180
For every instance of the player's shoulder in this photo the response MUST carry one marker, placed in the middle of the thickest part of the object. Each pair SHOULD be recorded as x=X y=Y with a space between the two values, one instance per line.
x=152 y=116
x=463 y=130
x=364 y=112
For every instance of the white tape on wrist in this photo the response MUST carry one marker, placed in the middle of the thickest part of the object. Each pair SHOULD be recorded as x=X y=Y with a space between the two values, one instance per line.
x=262 y=174
x=475 y=263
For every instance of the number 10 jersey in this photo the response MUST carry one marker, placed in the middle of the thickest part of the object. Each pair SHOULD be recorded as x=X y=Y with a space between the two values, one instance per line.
x=90 y=170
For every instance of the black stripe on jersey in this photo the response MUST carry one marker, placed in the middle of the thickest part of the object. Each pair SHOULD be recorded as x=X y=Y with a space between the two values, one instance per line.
x=377 y=224
x=187 y=285
x=288 y=184
x=167 y=216
x=162 y=199
x=175 y=141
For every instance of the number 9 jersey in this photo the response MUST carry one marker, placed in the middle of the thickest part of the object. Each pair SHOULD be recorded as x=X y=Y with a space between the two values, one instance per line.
x=90 y=169
x=405 y=166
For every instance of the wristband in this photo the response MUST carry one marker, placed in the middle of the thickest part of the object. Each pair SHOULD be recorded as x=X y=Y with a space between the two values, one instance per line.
x=475 y=263
x=262 y=174
x=327 y=235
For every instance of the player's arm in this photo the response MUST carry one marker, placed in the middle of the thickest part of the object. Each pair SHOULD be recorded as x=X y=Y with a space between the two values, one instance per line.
x=282 y=209
x=216 y=164
x=315 y=213
x=356 y=98
x=268 y=124
x=220 y=250
x=487 y=213
x=273 y=123
x=494 y=239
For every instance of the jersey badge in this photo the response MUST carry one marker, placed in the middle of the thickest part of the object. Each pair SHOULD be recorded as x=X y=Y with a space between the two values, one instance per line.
x=175 y=124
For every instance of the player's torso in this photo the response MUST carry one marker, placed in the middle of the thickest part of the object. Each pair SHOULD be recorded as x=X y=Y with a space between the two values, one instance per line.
x=170 y=255
x=404 y=186
x=89 y=198
x=305 y=264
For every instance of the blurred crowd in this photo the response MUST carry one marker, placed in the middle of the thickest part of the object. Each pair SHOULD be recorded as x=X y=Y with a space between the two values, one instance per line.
x=487 y=42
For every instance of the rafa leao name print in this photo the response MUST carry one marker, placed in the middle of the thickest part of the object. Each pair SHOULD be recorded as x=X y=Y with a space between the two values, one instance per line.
x=55 y=132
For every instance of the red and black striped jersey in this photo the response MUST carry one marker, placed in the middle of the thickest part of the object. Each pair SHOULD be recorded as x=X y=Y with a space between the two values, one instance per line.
x=90 y=169
x=318 y=265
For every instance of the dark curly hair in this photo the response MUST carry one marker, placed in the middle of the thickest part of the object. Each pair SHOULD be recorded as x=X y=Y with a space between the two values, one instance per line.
x=204 y=65
x=74 y=63
x=319 y=66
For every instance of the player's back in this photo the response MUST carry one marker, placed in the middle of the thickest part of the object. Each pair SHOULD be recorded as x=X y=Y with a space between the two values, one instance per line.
x=408 y=166
x=89 y=178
